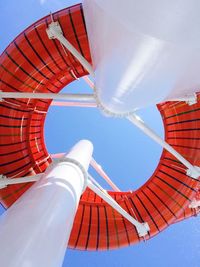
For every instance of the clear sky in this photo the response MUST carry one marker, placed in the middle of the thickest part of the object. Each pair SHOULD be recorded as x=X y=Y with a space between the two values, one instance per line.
x=125 y=153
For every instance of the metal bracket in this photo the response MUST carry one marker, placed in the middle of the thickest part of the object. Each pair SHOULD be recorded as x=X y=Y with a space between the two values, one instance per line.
x=192 y=100
x=194 y=172
x=188 y=99
x=143 y=231
x=194 y=204
x=54 y=31
x=54 y=26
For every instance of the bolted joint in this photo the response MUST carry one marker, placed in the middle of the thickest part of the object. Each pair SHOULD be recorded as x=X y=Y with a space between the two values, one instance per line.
x=194 y=204
x=53 y=30
x=143 y=229
x=105 y=111
x=193 y=172
x=192 y=100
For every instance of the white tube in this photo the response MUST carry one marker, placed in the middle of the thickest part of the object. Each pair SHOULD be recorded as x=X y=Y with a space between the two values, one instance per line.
x=34 y=232
x=61 y=96
x=143 y=52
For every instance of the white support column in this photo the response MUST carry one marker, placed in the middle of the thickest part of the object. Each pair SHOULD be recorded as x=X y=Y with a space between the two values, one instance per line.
x=192 y=171
x=61 y=96
x=55 y=32
x=34 y=231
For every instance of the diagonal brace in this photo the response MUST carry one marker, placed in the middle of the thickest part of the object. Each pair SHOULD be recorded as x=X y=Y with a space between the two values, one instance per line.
x=192 y=171
x=142 y=228
x=54 y=31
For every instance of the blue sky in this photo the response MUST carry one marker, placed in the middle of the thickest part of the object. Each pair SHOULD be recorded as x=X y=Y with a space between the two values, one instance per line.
x=127 y=155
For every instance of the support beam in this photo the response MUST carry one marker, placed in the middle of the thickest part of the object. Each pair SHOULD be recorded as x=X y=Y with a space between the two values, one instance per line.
x=57 y=156
x=4 y=181
x=35 y=230
x=142 y=228
x=89 y=82
x=192 y=171
x=61 y=96
x=54 y=31
x=73 y=104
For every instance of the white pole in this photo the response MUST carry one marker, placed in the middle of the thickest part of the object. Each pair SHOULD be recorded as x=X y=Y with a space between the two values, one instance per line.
x=4 y=181
x=35 y=230
x=88 y=81
x=73 y=104
x=61 y=96
x=192 y=171
x=142 y=228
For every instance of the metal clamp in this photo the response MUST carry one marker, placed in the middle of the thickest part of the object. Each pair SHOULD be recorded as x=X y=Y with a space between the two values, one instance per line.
x=194 y=204
x=194 y=172
x=77 y=164
x=108 y=112
x=56 y=27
